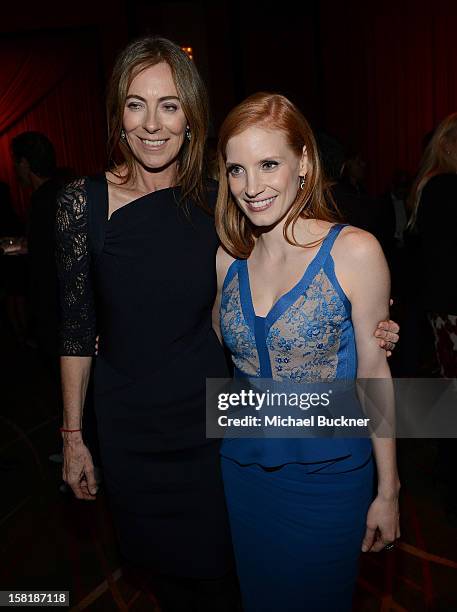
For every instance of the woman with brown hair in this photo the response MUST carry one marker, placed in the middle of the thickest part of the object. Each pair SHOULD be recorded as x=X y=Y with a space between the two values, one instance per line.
x=298 y=296
x=137 y=246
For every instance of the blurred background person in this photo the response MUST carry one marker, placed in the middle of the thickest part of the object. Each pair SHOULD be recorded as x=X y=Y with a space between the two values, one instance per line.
x=10 y=224
x=346 y=171
x=12 y=311
x=35 y=164
x=393 y=205
x=13 y=268
x=434 y=217
x=353 y=171
x=434 y=220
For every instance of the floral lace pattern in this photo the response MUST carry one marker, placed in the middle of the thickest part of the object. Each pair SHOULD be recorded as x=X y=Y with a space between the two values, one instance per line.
x=311 y=340
x=78 y=329
x=237 y=335
x=304 y=341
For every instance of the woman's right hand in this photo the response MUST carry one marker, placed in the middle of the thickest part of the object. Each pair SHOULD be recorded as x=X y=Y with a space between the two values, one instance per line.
x=78 y=468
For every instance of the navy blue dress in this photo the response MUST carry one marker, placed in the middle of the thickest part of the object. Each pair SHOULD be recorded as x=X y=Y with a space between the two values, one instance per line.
x=145 y=280
x=297 y=507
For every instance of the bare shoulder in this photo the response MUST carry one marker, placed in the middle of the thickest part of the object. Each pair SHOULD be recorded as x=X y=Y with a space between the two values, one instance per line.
x=356 y=246
x=360 y=264
x=223 y=262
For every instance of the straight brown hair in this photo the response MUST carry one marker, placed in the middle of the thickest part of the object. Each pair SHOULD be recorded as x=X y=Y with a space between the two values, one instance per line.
x=314 y=201
x=136 y=57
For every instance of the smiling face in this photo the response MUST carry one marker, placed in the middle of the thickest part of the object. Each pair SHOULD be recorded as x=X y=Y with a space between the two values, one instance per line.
x=263 y=174
x=153 y=120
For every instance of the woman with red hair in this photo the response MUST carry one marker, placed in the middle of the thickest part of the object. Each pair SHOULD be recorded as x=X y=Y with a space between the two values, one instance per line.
x=298 y=296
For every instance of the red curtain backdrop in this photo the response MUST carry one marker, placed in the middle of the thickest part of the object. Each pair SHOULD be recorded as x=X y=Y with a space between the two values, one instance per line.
x=389 y=78
x=52 y=84
x=386 y=77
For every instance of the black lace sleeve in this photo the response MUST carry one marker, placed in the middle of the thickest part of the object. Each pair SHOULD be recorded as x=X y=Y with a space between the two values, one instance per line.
x=77 y=329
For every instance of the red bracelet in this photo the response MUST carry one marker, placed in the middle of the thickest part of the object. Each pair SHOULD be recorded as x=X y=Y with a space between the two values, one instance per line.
x=61 y=429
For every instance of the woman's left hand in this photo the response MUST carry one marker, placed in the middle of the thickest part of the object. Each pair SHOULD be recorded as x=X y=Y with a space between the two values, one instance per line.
x=383 y=524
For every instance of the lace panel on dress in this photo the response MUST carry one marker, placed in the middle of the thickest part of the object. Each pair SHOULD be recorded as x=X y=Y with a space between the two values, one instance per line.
x=237 y=335
x=78 y=330
x=304 y=341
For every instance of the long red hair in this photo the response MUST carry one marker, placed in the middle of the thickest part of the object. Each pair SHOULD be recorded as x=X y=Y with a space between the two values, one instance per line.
x=314 y=201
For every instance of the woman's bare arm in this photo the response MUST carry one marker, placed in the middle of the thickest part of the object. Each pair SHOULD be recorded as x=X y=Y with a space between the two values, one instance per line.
x=78 y=469
x=75 y=373
x=364 y=275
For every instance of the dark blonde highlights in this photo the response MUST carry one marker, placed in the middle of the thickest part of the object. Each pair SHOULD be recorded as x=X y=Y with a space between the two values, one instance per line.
x=136 y=57
x=436 y=159
x=272 y=112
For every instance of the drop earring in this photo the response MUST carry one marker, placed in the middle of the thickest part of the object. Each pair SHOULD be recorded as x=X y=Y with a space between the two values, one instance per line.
x=188 y=134
x=302 y=182
x=123 y=136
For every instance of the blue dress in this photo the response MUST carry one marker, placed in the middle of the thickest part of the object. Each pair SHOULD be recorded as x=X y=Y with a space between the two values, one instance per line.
x=297 y=507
